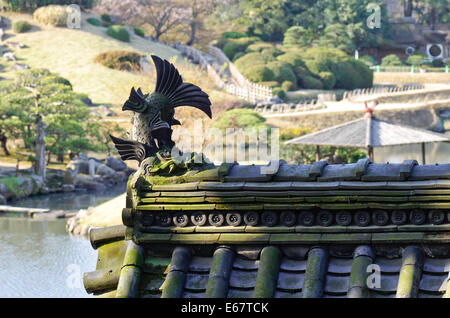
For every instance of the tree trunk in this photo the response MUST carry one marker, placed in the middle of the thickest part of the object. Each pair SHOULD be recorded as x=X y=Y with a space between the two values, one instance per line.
x=40 y=146
x=433 y=18
x=407 y=8
x=193 y=26
x=3 y=141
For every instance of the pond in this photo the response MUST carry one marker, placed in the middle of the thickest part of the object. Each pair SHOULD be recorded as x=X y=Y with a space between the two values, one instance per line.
x=39 y=258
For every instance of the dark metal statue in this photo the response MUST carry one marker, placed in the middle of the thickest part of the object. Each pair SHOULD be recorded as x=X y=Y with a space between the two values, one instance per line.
x=154 y=113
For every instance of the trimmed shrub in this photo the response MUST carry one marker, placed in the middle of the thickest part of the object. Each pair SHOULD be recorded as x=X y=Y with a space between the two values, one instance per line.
x=288 y=86
x=278 y=91
x=291 y=58
x=324 y=52
x=391 y=60
x=258 y=73
x=232 y=48
x=328 y=79
x=240 y=118
x=21 y=26
x=346 y=75
x=319 y=65
x=120 y=60
x=139 y=32
x=259 y=46
x=271 y=52
x=364 y=75
x=296 y=35
x=282 y=71
x=106 y=18
x=311 y=82
x=238 y=55
x=51 y=15
x=94 y=21
x=251 y=59
x=118 y=32
x=438 y=63
x=234 y=35
x=367 y=59
x=54 y=79
x=415 y=59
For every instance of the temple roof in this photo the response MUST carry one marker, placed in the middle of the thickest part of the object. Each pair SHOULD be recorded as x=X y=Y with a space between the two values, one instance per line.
x=365 y=132
x=291 y=231
x=275 y=270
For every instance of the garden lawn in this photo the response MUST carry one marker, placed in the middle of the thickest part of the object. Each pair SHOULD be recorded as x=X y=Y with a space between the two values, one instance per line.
x=70 y=53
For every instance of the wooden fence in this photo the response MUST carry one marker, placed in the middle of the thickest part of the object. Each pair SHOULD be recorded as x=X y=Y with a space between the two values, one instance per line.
x=218 y=66
x=289 y=108
x=384 y=91
x=409 y=69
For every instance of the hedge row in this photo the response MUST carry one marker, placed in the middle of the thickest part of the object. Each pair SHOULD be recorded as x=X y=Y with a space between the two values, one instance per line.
x=293 y=68
x=120 y=60
x=21 y=26
x=118 y=32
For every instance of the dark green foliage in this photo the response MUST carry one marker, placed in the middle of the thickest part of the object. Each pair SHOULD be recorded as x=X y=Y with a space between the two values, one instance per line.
x=364 y=76
x=349 y=73
x=234 y=35
x=106 y=18
x=233 y=46
x=438 y=63
x=139 y=32
x=282 y=72
x=331 y=23
x=66 y=117
x=328 y=79
x=54 y=79
x=278 y=91
x=258 y=73
x=297 y=36
x=118 y=32
x=311 y=82
x=21 y=26
x=94 y=21
x=310 y=68
x=120 y=60
x=391 y=60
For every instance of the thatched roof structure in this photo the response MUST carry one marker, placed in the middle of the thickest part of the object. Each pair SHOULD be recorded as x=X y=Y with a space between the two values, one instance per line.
x=368 y=132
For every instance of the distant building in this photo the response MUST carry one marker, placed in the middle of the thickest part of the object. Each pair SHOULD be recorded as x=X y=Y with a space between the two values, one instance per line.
x=409 y=33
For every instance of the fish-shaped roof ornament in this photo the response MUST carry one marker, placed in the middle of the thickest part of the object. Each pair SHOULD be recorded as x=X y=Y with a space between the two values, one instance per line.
x=154 y=113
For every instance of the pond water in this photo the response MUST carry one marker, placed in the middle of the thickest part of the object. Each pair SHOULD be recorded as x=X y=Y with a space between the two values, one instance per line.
x=39 y=258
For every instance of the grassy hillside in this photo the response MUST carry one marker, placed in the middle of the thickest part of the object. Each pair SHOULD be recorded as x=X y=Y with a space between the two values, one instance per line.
x=71 y=52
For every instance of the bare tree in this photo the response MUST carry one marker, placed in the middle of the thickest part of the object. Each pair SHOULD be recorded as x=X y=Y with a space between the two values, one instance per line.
x=162 y=15
x=196 y=11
